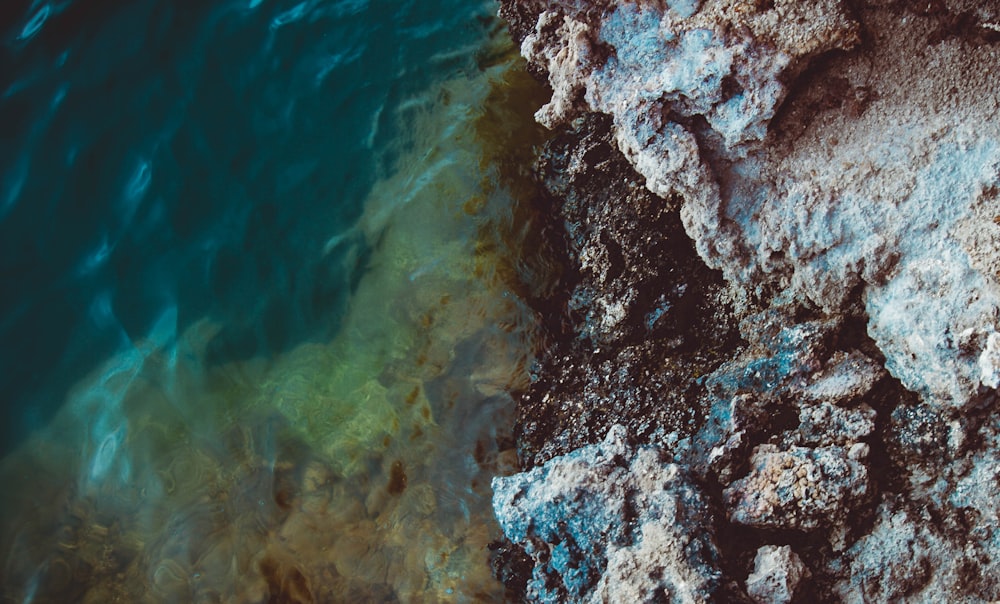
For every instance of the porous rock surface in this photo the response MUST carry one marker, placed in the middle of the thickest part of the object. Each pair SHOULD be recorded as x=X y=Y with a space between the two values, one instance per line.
x=640 y=314
x=611 y=523
x=784 y=222
x=776 y=574
x=800 y=488
x=692 y=97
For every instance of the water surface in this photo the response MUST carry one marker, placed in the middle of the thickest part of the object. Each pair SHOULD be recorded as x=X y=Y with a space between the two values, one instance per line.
x=261 y=321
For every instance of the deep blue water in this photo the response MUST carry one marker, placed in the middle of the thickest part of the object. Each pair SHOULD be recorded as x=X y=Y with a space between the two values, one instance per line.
x=193 y=158
x=259 y=321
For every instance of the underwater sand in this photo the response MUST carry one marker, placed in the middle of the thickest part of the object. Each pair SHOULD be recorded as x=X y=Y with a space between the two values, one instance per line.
x=355 y=469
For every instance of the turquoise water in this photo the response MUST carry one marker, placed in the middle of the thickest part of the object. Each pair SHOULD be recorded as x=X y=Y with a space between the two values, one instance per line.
x=260 y=321
x=195 y=158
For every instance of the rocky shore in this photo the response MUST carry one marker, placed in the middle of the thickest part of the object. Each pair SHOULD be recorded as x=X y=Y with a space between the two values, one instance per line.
x=771 y=374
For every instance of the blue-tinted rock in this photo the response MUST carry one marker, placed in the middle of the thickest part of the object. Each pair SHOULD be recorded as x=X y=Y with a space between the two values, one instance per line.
x=611 y=523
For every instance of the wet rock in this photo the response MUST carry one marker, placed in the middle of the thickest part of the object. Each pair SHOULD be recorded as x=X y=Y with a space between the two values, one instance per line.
x=609 y=522
x=625 y=242
x=776 y=574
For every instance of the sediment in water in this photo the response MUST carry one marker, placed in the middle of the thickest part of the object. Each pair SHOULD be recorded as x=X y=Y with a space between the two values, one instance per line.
x=356 y=469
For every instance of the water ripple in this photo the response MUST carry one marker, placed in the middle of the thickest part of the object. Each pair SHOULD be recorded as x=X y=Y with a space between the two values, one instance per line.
x=264 y=352
x=35 y=23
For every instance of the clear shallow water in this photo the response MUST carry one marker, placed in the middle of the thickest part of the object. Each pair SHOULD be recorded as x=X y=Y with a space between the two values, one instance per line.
x=259 y=328
x=161 y=156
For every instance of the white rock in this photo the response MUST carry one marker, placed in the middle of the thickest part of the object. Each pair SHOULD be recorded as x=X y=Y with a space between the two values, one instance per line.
x=989 y=362
x=610 y=523
x=776 y=574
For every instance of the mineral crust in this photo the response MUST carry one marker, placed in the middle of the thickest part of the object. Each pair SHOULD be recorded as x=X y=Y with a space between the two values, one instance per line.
x=783 y=221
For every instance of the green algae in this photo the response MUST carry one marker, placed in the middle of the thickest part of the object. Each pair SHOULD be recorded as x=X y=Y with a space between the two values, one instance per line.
x=351 y=470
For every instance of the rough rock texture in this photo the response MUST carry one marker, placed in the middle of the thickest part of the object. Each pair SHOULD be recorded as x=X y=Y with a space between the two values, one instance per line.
x=800 y=488
x=777 y=572
x=838 y=163
x=691 y=98
x=641 y=318
x=611 y=523
x=905 y=556
x=790 y=386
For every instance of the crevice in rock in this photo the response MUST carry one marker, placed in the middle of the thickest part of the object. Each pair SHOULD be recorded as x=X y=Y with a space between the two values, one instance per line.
x=832 y=219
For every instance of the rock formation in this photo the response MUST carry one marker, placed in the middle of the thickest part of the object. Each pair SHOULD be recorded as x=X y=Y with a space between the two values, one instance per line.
x=611 y=523
x=776 y=574
x=782 y=221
